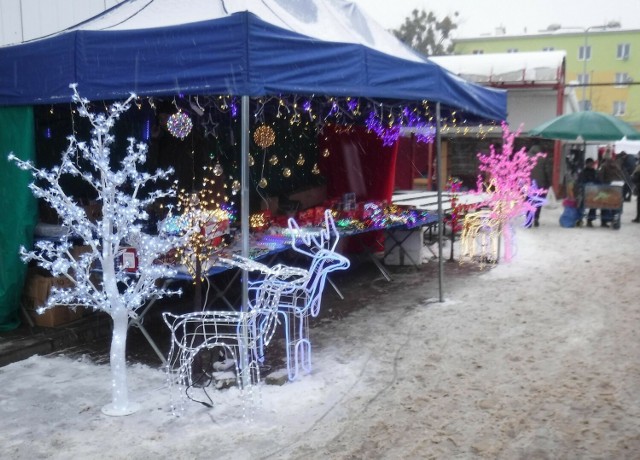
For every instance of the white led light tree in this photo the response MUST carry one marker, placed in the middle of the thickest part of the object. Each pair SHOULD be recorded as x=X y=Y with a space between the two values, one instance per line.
x=124 y=193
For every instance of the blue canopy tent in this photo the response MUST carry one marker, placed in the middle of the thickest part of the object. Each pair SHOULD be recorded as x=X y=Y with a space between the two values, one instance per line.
x=247 y=48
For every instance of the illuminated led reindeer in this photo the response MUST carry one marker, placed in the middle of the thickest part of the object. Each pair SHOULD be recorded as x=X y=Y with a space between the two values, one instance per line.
x=303 y=297
x=240 y=336
x=300 y=291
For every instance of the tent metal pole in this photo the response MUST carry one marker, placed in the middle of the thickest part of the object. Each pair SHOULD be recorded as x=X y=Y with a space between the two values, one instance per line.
x=244 y=231
x=440 y=216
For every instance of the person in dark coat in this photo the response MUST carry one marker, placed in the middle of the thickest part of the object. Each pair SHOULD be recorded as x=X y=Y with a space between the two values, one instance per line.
x=608 y=172
x=627 y=164
x=541 y=173
x=587 y=176
x=635 y=179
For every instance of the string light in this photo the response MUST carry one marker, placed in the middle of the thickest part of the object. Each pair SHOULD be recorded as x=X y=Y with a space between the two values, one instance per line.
x=119 y=294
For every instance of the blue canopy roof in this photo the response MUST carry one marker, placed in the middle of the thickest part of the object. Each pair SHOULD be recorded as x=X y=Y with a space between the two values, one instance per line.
x=255 y=51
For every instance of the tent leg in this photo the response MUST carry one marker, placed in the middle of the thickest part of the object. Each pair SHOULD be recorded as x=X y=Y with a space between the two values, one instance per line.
x=244 y=228
x=440 y=216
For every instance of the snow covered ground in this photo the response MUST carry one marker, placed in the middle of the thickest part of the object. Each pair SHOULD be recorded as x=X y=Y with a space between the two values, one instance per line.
x=537 y=358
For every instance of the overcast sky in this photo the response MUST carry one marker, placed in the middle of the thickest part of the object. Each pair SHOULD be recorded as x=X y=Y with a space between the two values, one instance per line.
x=477 y=17
x=27 y=19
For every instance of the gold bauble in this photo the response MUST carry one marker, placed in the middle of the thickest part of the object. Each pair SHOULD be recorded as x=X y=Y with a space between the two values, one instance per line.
x=326 y=153
x=286 y=172
x=273 y=160
x=264 y=136
x=251 y=160
x=263 y=183
x=301 y=160
x=315 y=169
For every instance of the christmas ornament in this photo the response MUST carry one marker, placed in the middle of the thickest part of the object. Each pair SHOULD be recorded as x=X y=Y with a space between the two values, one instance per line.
x=179 y=125
x=273 y=160
x=264 y=136
x=263 y=183
x=300 y=161
x=286 y=172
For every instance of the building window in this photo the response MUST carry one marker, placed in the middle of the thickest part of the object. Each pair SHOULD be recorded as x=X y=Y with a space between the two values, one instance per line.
x=512 y=50
x=585 y=105
x=584 y=53
x=548 y=48
x=623 y=51
x=622 y=79
x=477 y=52
x=619 y=108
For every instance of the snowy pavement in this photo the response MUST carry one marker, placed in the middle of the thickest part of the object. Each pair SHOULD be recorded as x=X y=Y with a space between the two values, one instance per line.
x=537 y=358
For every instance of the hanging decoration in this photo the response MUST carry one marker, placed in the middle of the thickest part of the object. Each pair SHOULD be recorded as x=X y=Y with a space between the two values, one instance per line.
x=235 y=187
x=179 y=125
x=273 y=160
x=263 y=183
x=326 y=152
x=315 y=169
x=300 y=161
x=286 y=172
x=264 y=136
x=217 y=169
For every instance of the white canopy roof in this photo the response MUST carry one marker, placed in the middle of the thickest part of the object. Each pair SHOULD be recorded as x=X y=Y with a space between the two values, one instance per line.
x=508 y=68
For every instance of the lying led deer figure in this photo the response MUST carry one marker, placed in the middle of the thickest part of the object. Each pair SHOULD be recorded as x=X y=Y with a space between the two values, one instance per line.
x=229 y=331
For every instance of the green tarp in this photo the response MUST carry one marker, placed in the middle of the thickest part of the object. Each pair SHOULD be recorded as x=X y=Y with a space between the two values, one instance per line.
x=18 y=208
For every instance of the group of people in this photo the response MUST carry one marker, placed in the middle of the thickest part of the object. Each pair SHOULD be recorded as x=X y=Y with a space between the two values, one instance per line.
x=624 y=168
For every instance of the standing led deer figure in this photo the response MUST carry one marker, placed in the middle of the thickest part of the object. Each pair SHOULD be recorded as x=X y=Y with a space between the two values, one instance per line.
x=123 y=193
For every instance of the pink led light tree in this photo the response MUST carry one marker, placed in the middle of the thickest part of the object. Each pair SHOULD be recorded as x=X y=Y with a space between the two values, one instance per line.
x=511 y=194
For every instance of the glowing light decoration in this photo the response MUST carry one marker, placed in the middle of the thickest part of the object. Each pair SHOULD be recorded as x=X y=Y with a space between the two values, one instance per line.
x=326 y=152
x=179 y=125
x=235 y=187
x=120 y=294
x=303 y=298
x=315 y=170
x=240 y=336
x=480 y=238
x=217 y=169
x=508 y=188
x=273 y=160
x=300 y=161
x=203 y=221
x=286 y=172
x=264 y=136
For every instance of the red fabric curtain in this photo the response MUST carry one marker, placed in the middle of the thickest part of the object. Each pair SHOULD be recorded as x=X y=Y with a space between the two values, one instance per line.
x=358 y=163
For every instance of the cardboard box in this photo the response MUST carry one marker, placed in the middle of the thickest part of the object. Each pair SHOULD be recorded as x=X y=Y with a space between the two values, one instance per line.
x=36 y=292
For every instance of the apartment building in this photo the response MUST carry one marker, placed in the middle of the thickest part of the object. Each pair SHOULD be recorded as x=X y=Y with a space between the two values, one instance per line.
x=603 y=63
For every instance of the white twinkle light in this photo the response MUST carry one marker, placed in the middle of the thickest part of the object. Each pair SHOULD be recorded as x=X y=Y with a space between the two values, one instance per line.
x=124 y=201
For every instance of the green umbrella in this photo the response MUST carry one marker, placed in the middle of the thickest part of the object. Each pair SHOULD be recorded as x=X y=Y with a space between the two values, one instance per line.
x=586 y=126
